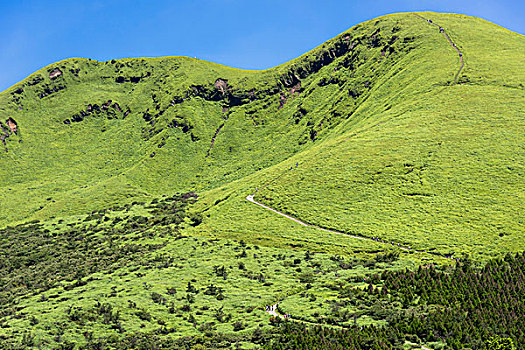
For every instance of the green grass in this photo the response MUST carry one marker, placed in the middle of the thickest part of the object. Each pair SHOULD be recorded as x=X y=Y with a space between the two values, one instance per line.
x=49 y=158
x=376 y=141
x=399 y=152
x=96 y=275
x=439 y=172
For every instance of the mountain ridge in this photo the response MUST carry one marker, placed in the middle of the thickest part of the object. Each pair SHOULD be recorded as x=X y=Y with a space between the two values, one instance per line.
x=266 y=69
x=366 y=190
x=215 y=124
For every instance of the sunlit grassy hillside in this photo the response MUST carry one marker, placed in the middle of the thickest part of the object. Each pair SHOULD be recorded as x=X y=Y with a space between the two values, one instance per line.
x=369 y=135
x=440 y=170
x=382 y=142
x=179 y=123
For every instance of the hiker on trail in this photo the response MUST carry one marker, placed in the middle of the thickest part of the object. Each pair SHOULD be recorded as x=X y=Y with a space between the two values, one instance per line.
x=441 y=30
x=296 y=164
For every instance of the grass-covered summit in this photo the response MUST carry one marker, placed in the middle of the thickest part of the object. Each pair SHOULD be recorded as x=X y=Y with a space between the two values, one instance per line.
x=382 y=139
x=123 y=184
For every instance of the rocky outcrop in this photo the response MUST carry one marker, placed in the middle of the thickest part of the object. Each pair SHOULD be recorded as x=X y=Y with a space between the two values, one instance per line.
x=222 y=85
x=110 y=109
x=12 y=125
x=55 y=73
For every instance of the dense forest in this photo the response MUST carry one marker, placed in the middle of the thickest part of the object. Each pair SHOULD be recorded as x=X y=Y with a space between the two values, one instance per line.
x=467 y=307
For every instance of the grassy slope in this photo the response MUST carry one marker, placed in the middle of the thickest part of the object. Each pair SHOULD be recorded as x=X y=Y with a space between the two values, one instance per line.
x=76 y=164
x=398 y=152
x=411 y=159
x=55 y=274
x=441 y=162
x=444 y=169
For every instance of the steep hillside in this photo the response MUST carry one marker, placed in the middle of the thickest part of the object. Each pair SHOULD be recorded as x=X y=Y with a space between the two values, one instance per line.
x=107 y=131
x=397 y=129
x=397 y=144
x=441 y=170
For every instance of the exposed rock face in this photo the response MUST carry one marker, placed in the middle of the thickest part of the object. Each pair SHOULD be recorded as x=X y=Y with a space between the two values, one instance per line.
x=296 y=88
x=55 y=73
x=222 y=85
x=110 y=110
x=13 y=127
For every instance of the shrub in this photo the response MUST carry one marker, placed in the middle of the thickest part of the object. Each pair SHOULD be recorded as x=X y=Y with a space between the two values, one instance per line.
x=238 y=326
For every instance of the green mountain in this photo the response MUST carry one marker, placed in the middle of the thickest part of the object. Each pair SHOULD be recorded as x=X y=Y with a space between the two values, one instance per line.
x=402 y=137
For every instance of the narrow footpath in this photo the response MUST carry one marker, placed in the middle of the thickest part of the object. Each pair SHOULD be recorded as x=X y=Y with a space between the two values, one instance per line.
x=272 y=309
x=375 y=239
x=442 y=31
x=250 y=199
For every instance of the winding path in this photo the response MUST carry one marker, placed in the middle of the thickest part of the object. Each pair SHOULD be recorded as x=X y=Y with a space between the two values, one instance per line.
x=442 y=30
x=272 y=310
x=250 y=199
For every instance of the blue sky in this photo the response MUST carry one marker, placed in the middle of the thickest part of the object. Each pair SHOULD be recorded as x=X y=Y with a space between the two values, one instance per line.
x=239 y=33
